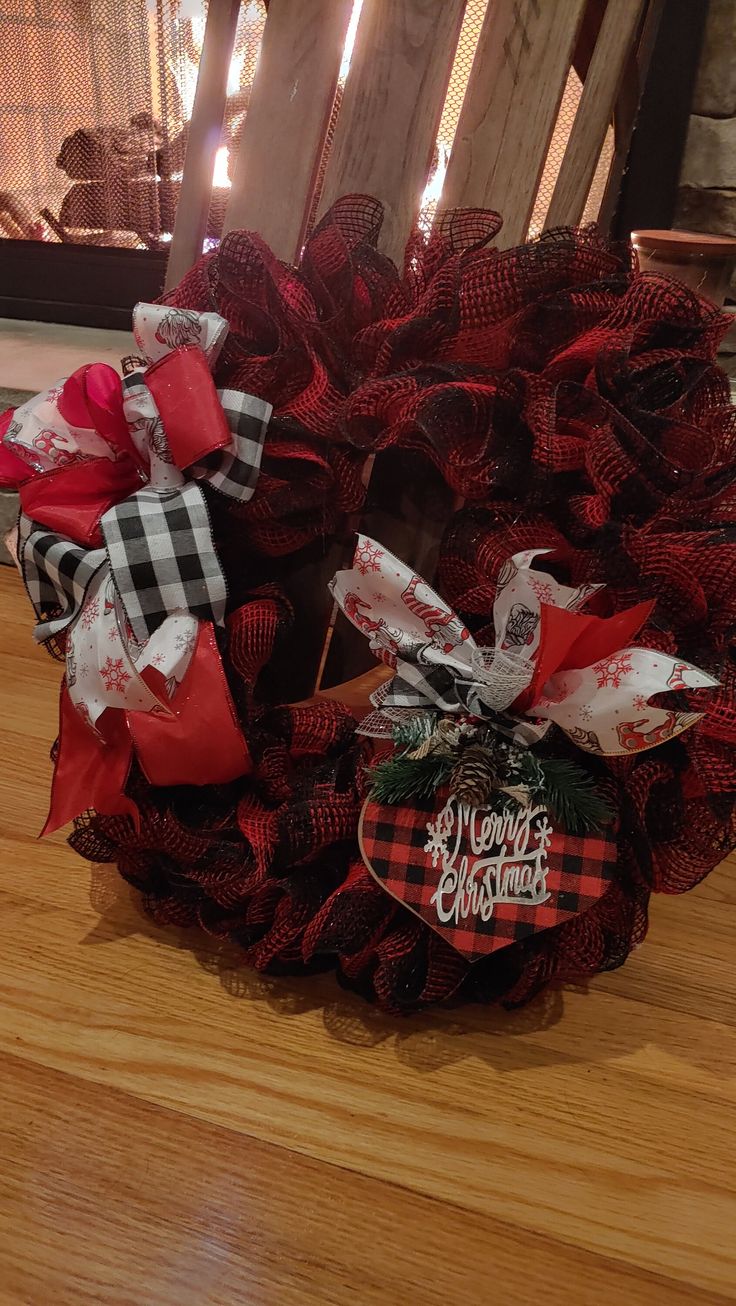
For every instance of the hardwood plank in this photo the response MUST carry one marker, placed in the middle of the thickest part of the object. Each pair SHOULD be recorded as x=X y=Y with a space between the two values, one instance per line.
x=510 y=107
x=587 y=1138
x=624 y=1192
x=208 y=1212
x=287 y=119
x=595 y=112
x=392 y=104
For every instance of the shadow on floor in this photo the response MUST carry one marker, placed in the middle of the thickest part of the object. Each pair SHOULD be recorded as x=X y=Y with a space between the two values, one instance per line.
x=603 y=1028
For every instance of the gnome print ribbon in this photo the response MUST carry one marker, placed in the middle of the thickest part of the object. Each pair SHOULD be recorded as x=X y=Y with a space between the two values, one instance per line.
x=551 y=662
x=116 y=551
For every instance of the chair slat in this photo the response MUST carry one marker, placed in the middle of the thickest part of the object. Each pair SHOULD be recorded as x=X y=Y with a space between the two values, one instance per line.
x=287 y=120
x=205 y=128
x=595 y=111
x=393 y=100
x=627 y=107
x=511 y=104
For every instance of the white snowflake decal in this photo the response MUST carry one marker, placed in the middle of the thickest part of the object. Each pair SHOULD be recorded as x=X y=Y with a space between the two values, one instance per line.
x=439 y=833
x=185 y=640
x=436 y=844
x=90 y=613
x=609 y=671
x=543 y=591
x=586 y=713
x=114 y=675
x=158 y=659
x=367 y=558
x=640 y=702
x=544 y=834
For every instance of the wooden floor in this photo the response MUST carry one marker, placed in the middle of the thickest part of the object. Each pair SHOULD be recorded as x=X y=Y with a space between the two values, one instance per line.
x=176 y=1131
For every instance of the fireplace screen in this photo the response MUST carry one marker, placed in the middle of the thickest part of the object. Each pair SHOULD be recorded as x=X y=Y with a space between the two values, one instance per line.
x=94 y=107
x=95 y=104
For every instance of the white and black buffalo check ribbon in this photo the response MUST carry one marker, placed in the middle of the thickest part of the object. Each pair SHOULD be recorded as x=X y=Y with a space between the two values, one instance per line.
x=236 y=473
x=437 y=689
x=57 y=574
x=162 y=557
x=158 y=542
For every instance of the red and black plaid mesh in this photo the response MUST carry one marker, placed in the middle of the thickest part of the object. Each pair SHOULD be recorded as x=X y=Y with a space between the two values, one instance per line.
x=394 y=842
x=573 y=404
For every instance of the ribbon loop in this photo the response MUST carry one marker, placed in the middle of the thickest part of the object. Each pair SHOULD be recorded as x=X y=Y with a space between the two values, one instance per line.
x=57 y=574
x=162 y=557
x=100 y=461
x=158 y=329
x=551 y=663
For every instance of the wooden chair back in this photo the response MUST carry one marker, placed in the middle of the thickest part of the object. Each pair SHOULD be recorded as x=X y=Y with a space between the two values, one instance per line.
x=542 y=112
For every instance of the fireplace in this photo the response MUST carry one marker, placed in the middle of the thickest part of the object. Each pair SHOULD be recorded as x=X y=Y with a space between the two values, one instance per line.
x=94 y=109
x=95 y=106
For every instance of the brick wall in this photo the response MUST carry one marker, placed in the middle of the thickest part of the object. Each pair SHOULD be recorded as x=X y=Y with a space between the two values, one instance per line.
x=707 y=195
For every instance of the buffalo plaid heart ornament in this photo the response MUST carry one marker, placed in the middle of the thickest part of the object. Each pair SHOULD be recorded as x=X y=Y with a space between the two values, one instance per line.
x=484 y=879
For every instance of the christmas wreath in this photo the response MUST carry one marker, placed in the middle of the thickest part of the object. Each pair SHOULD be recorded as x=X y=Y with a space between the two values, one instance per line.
x=554 y=737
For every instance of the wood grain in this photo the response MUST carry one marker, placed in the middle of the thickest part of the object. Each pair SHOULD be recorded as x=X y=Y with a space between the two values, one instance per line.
x=392 y=104
x=508 y=115
x=595 y=112
x=627 y=108
x=178 y=1130
x=287 y=119
x=205 y=129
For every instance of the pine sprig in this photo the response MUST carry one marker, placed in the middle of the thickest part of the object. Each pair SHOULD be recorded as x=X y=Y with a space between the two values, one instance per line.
x=571 y=795
x=478 y=767
x=400 y=778
x=414 y=731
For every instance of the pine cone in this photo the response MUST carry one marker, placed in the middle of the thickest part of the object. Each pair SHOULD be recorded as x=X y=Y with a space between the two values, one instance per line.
x=474 y=777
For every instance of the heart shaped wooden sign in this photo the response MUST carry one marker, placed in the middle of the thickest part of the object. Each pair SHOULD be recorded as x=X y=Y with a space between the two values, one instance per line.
x=480 y=878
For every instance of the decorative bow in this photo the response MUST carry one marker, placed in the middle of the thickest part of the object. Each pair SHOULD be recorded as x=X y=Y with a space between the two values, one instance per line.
x=550 y=663
x=116 y=551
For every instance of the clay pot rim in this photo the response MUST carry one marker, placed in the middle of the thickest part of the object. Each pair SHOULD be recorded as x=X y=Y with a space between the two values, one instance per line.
x=684 y=243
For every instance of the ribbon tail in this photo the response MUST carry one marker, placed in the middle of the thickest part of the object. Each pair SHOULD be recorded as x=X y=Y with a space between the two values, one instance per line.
x=90 y=771
x=201 y=741
x=611 y=708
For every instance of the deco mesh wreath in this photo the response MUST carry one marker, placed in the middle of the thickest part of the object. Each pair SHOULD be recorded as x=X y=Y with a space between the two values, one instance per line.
x=571 y=405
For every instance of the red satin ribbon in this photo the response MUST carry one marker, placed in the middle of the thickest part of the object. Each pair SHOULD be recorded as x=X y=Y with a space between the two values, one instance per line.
x=201 y=741
x=571 y=640
x=90 y=771
x=13 y=471
x=92 y=398
x=198 y=743
x=185 y=395
x=71 y=500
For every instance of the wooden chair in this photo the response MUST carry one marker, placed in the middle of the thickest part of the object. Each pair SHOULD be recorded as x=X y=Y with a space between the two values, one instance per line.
x=296 y=158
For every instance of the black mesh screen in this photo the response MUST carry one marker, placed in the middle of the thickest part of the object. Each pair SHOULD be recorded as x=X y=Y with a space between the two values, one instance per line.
x=94 y=104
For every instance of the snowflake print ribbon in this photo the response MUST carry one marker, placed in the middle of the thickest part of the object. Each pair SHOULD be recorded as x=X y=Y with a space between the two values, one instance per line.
x=115 y=544
x=551 y=661
x=104 y=665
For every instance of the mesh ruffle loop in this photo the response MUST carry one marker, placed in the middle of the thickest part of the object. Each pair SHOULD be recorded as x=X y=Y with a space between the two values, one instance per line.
x=575 y=405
